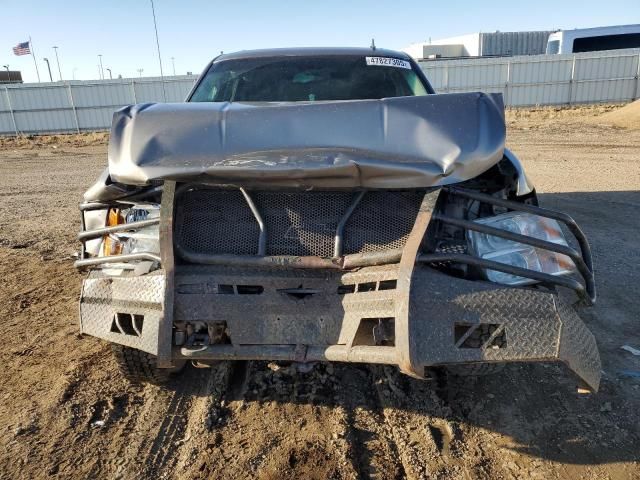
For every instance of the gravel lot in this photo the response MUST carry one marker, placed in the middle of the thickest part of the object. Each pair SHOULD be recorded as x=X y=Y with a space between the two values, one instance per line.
x=65 y=412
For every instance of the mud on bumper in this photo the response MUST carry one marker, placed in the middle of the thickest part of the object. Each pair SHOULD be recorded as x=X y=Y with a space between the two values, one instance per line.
x=431 y=319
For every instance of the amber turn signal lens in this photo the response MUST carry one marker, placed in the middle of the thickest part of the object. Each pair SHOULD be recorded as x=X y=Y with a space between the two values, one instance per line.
x=111 y=246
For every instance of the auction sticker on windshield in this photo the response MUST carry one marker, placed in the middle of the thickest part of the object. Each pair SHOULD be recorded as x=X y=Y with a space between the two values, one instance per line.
x=388 y=62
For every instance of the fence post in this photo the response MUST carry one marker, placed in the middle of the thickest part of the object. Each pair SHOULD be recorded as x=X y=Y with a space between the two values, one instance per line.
x=133 y=91
x=446 y=78
x=73 y=107
x=571 y=80
x=507 y=96
x=13 y=117
x=637 y=95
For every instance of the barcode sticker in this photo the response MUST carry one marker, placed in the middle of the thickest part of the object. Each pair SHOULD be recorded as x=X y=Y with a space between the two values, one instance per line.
x=388 y=62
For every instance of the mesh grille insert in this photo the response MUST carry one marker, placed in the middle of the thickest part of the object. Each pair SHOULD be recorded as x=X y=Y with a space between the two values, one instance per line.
x=382 y=221
x=211 y=221
x=301 y=223
x=216 y=221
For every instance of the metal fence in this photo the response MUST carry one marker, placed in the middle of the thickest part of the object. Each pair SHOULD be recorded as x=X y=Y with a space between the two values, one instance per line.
x=80 y=106
x=525 y=80
x=594 y=77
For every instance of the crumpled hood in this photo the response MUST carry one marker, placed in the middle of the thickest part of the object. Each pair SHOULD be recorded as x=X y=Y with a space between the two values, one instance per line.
x=404 y=142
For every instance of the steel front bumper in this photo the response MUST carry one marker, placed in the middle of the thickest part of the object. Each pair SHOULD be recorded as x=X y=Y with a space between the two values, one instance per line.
x=516 y=325
x=438 y=319
x=124 y=310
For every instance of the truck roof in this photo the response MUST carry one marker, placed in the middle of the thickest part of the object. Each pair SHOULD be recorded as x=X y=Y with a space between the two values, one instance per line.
x=311 y=52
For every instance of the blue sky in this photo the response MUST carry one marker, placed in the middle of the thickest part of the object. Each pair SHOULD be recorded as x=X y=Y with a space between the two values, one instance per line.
x=195 y=31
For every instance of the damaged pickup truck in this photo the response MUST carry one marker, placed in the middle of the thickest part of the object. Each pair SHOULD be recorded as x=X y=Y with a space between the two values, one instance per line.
x=326 y=205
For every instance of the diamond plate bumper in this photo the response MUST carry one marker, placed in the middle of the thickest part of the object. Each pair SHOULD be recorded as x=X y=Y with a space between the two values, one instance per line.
x=104 y=298
x=531 y=325
x=434 y=322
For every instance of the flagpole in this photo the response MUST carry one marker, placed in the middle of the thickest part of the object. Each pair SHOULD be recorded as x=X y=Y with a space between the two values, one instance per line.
x=34 y=58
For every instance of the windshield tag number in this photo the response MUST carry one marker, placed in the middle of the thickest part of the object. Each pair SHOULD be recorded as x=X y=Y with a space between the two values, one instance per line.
x=388 y=62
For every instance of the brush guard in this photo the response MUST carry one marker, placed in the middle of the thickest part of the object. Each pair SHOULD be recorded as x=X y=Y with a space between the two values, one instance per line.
x=434 y=316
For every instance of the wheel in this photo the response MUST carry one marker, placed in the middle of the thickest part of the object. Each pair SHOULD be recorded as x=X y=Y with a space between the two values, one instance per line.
x=140 y=367
x=475 y=369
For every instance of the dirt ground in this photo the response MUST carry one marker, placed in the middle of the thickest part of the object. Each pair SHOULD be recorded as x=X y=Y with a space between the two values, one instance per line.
x=626 y=117
x=65 y=411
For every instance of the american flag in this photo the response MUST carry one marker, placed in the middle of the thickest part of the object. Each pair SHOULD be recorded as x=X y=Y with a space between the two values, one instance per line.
x=22 y=49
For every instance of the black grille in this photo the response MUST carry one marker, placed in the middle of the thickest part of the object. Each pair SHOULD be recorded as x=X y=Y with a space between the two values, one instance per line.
x=382 y=221
x=210 y=221
x=301 y=223
x=216 y=221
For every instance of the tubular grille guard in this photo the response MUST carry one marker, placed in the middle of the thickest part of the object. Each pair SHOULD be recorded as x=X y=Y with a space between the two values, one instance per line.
x=213 y=224
x=125 y=202
x=583 y=260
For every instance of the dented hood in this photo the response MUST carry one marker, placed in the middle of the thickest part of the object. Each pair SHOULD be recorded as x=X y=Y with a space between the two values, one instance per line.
x=404 y=142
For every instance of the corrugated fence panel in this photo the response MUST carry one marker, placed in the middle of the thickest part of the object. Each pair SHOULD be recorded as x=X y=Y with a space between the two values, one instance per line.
x=606 y=67
x=437 y=76
x=6 y=124
x=149 y=92
x=4 y=106
x=546 y=71
x=177 y=90
x=472 y=76
x=543 y=79
x=524 y=80
x=60 y=107
x=532 y=94
x=613 y=90
x=97 y=118
x=45 y=121
x=39 y=98
x=113 y=94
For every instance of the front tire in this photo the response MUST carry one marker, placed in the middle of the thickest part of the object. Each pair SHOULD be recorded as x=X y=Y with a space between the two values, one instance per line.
x=141 y=367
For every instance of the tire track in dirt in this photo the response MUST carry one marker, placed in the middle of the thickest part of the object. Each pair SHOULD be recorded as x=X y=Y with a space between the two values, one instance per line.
x=269 y=422
x=371 y=448
x=416 y=417
x=145 y=425
x=171 y=431
x=125 y=432
x=203 y=417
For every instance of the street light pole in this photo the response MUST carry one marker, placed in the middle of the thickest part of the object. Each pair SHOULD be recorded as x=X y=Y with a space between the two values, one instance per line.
x=110 y=76
x=8 y=73
x=155 y=26
x=49 y=68
x=101 y=69
x=58 y=62
x=73 y=73
x=173 y=62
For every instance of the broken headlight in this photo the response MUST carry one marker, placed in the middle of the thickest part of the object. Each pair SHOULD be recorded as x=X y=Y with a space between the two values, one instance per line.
x=145 y=239
x=501 y=250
